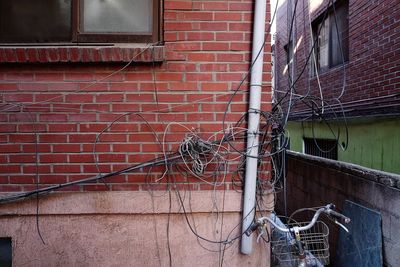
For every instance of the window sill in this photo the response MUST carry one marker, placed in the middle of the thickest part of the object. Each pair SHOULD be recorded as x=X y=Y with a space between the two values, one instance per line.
x=81 y=54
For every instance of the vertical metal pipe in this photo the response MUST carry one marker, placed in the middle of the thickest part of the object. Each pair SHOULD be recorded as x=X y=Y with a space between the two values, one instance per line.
x=249 y=199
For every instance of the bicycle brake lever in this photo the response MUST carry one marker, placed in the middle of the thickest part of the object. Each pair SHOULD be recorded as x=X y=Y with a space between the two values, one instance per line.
x=341 y=225
x=260 y=234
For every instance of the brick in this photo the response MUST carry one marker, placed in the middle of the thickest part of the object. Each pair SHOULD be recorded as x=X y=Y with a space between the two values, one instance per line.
x=112 y=137
x=200 y=36
x=18 y=97
x=49 y=76
x=67 y=168
x=228 y=16
x=100 y=147
x=199 y=77
x=82 y=117
x=201 y=57
x=178 y=26
x=10 y=148
x=33 y=148
x=53 y=179
x=215 y=46
x=79 y=98
x=62 y=128
x=66 y=148
x=22 y=138
x=213 y=67
x=183 y=86
x=84 y=138
x=52 y=117
x=80 y=158
x=8 y=87
x=229 y=36
x=214 y=86
x=125 y=147
x=213 y=26
x=7 y=128
x=185 y=46
x=196 y=16
x=21 y=55
x=33 y=169
x=172 y=66
x=215 y=6
x=169 y=76
x=123 y=87
x=52 y=138
x=230 y=57
x=22 y=158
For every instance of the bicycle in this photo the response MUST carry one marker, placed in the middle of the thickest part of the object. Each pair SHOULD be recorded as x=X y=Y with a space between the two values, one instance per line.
x=300 y=244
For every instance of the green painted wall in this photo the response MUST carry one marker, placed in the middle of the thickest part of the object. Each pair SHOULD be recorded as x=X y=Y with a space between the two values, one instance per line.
x=372 y=143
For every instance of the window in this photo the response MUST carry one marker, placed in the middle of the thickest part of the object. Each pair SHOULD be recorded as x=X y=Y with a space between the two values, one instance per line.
x=78 y=21
x=5 y=251
x=331 y=36
x=324 y=148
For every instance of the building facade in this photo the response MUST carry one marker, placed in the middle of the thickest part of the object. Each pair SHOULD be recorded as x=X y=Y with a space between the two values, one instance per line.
x=340 y=63
x=85 y=93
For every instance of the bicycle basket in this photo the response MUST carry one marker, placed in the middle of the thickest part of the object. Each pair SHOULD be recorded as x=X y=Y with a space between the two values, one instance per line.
x=315 y=241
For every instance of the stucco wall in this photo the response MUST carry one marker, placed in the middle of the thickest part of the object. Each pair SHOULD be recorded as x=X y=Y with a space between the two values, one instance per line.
x=126 y=229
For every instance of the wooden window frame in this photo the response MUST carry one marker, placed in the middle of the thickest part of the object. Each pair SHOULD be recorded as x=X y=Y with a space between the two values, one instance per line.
x=101 y=38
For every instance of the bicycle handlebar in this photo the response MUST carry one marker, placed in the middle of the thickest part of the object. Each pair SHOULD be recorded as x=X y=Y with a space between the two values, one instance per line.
x=328 y=209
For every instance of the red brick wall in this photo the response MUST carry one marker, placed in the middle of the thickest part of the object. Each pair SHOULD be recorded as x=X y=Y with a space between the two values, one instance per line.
x=374 y=52
x=206 y=55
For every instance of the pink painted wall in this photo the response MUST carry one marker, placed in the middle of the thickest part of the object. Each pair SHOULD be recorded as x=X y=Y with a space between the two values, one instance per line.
x=124 y=229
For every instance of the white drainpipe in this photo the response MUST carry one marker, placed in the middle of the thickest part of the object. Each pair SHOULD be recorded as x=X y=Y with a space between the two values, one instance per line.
x=254 y=119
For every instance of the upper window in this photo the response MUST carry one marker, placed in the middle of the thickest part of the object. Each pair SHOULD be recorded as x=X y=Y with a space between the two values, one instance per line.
x=78 y=21
x=331 y=36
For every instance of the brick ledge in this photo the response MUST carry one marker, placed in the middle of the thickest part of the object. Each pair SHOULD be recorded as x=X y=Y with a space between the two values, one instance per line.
x=82 y=54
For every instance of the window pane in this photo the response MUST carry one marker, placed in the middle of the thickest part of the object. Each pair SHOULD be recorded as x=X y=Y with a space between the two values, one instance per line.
x=113 y=16
x=339 y=24
x=323 y=45
x=35 y=21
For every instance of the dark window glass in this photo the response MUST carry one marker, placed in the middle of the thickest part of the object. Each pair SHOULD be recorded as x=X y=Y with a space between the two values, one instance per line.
x=339 y=32
x=38 y=21
x=324 y=148
x=5 y=252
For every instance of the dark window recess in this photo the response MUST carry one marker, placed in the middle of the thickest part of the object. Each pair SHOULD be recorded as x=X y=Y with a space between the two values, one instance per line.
x=324 y=148
x=36 y=21
x=78 y=21
x=5 y=252
x=332 y=37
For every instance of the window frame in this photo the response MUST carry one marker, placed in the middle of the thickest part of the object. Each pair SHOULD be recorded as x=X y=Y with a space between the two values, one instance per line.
x=78 y=37
x=321 y=147
x=344 y=40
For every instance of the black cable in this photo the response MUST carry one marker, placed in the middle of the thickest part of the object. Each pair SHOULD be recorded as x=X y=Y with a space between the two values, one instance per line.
x=226 y=241
x=153 y=162
x=36 y=173
x=168 y=224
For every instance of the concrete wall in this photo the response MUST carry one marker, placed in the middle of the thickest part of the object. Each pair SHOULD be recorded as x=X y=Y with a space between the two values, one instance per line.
x=313 y=181
x=126 y=229
x=372 y=143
